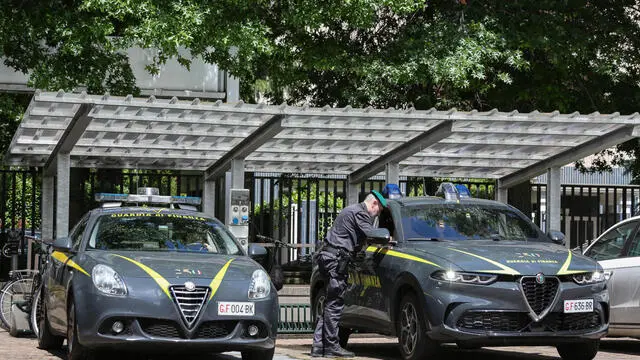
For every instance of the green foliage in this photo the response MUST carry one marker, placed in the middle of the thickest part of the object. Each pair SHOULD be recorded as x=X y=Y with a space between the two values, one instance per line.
x=525 y=55
x=12 y=107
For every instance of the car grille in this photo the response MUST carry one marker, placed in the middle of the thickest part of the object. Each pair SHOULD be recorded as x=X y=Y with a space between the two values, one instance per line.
x=159 y=328
x=539 y=296
x=189 y=302
x=493 y=321
x=215 y=329
x=573 y=322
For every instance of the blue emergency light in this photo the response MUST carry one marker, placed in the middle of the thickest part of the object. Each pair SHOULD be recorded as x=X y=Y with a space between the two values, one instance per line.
x=392 y=191
x=449 y=191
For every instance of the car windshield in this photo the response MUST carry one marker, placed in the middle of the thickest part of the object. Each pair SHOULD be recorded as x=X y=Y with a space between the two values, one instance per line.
x=161 y=232
x=458 y=221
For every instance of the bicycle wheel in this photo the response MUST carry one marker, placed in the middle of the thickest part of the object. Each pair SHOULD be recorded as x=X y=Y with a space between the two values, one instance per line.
x=18 y=290
x=35 y=314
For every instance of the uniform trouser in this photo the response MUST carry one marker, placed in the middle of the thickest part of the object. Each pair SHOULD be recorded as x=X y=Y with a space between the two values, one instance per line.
x=326 y=333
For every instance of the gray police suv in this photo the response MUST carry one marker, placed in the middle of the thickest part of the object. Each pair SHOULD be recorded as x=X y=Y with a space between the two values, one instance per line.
x=475 y=273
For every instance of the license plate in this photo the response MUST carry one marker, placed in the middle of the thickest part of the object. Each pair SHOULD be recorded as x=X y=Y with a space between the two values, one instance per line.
x=578 y=306
x=236 y=308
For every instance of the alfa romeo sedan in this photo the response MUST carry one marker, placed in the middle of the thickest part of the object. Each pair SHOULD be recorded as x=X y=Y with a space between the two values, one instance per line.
x=158 y=280
x=452 y=269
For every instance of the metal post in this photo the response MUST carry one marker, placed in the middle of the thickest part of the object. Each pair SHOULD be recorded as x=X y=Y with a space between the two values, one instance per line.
x=62 y=196
x=502 y=193
x=209 y=192
x=47 y=207
x=352 y=193
x=553 y=199
x=237 y=174
x=393 y=173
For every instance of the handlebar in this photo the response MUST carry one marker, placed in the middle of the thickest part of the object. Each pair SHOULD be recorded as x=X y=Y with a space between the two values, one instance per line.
x=277 y=243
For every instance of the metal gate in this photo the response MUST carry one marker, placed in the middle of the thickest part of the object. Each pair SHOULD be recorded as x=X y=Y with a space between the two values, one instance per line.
x=19 y=215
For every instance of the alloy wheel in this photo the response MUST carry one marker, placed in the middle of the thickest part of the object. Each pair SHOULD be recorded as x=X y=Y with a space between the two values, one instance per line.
x=408 y=328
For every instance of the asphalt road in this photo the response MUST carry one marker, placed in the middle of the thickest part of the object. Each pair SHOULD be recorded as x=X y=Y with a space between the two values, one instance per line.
x=366 y=348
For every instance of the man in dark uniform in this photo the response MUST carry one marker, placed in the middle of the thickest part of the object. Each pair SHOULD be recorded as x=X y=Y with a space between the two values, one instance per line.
x=346 y=235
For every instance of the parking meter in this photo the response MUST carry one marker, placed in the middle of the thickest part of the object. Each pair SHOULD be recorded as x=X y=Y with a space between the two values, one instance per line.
x=238 y=219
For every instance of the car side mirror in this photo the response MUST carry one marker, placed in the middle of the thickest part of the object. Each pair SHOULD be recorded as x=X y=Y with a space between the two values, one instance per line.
x=379 y=236
x=258 y=253
x=62 y=243
x=557 y=237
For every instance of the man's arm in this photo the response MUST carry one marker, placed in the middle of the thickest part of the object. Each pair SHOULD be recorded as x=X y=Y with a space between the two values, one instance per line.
x=363 y=221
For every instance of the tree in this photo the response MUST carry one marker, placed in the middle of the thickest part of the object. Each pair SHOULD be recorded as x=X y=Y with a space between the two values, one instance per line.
x=573 y=55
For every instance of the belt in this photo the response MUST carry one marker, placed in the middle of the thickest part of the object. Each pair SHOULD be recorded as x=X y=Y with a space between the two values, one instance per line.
x=335 y=250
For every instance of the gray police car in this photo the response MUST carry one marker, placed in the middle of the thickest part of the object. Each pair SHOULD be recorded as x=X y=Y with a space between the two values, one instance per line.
x=155 y=279
x=472 y=272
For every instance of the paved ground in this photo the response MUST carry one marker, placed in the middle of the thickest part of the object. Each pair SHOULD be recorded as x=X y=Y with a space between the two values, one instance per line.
x=367 y=348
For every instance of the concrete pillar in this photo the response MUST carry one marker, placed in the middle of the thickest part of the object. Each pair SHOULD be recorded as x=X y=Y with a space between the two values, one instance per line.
x=62 y=196
x=352 y=193
x=208 y=201
x=237 y=174
x=393 y=173
x=502 y=193
x=47 y=207
x=554 y=189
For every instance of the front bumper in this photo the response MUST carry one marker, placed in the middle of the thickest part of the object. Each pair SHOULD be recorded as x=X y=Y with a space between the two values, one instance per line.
x=499 y=314
x=152 y=322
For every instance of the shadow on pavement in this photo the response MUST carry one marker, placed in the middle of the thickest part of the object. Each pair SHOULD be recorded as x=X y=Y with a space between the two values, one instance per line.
x=621 y=346
x=391 y=352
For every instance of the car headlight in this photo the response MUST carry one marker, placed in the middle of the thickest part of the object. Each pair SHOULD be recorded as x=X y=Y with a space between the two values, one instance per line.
x=107 y=281
x=590 y=278
x=464 y=277
x=260 y=285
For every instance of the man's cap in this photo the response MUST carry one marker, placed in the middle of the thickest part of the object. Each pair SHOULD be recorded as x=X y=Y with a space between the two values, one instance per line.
x=380 y=198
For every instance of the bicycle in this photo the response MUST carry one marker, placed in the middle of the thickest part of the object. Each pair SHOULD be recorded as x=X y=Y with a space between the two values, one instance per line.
x=14 y=244
x=17 y=290
x=275 y=269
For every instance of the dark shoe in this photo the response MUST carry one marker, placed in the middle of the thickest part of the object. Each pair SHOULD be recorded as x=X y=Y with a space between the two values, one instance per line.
x=317 y=352
x=338 y=353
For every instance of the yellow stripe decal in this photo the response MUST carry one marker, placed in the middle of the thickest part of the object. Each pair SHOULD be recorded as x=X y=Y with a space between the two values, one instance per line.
x=564 y=270
x=505 y=269
x=215 y=283
x=400 y=255
x=65 y=259
x=164 y=284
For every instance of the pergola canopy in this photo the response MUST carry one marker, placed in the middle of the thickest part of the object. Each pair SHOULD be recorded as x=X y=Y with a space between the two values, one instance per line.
x=149 y=133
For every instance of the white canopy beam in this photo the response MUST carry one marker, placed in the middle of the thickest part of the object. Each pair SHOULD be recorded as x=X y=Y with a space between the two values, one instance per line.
x=250 y=144
x=411 y=147
x=613 y=138
x=70 y=137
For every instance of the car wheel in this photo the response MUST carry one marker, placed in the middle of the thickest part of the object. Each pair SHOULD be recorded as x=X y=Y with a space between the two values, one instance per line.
x=75 y=350
x=343 y=336
x=46 y=340
x=35 y=313
x=258 y=355
x=579 y=351
x=412 y=330
x=318 y=304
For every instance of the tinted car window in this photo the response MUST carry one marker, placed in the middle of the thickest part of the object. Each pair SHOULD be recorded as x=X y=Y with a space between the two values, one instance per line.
x=76 y=233
x=634 y=249
x=610 y=244
x=466 y=222
x=152 y=232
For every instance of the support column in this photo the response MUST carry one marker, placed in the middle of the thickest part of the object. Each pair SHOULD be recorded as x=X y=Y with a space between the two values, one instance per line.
x=237 y=174
x=62 y=196
x=502 y=193
x=208 y=201
x=47 y=207
x=352 y=193
x=554 y=189
x=392 y=171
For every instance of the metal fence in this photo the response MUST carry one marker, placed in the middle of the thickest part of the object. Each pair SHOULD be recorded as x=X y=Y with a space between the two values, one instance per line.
x=587 y=210
x=19 y=215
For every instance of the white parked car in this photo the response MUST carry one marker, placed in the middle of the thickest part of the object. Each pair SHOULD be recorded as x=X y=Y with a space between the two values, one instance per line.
x=618 y=251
